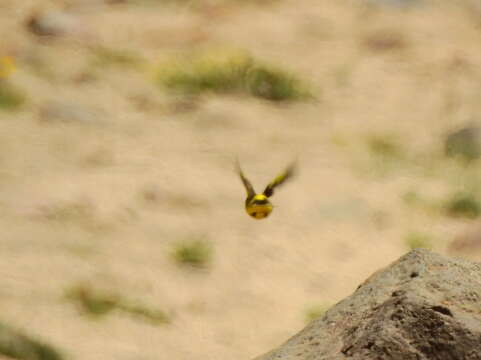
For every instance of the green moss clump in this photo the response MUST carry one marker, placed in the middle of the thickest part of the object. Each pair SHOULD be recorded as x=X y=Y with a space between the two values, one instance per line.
x=194 y=253
x=93 y=303
x=315 y=311
x=96 y=303
x=417 y=240
x=10 y=97
x=464 y=205
x=153 y=316
x=232 y=74
x=104 y=56
x=16 y=345
x=384 y=145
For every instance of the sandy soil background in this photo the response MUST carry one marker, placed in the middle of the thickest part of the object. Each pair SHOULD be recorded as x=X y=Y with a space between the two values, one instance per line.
x=103 y=173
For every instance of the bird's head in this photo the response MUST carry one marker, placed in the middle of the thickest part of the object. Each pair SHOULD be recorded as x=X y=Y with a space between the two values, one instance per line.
x=259 y=207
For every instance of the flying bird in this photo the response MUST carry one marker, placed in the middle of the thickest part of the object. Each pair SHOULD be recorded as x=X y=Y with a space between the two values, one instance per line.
x=258 y=205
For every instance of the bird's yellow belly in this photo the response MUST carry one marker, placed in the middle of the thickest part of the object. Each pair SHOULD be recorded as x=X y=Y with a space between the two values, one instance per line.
x=259 y=211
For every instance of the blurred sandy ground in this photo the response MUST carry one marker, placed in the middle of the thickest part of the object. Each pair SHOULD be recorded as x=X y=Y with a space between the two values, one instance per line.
x=73 y=201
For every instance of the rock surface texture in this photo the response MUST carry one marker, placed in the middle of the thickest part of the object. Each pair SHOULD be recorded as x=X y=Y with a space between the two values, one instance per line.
x=423 y=306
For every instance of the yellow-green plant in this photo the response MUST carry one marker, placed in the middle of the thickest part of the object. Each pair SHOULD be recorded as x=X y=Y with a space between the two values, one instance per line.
x=195 y=253
x=11 y=98
x=231 y=73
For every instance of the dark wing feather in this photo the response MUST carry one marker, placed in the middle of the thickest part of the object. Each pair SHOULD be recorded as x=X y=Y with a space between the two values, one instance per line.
x=280 y=179
x=249 y=188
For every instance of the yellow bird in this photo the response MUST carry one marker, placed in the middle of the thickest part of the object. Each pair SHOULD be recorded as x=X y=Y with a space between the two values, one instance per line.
x=258 y=205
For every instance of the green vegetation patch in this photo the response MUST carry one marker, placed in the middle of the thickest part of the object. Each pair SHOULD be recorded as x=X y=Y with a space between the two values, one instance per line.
x=195 y=253
x=386 y=153
x=412 y=198
x=417 y=240
x=11 y=98
x=153 y=316
x=417 y=199
x=463 y=205
x=15 y=345
x=313 y=312
x=104 y=56
x=384 y=145
x=93 y=302
x=226 y=74
x=96 y=303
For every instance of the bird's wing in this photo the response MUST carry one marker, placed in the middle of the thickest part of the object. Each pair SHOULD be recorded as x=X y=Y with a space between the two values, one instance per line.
x=280 y=179
x=249 y=188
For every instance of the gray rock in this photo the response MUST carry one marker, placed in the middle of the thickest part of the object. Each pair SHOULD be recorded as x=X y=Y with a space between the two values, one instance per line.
x=464 y=143
x=68 y=112
x=52 y=23
x=423 y=306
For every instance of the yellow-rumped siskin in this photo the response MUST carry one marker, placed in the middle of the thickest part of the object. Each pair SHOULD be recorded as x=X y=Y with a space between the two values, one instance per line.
x=258 y=205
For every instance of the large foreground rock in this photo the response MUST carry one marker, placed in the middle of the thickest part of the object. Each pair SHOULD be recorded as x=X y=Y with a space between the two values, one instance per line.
x=423 y=306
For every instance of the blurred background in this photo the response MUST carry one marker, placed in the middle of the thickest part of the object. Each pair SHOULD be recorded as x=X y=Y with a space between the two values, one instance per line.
x=124 y=230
